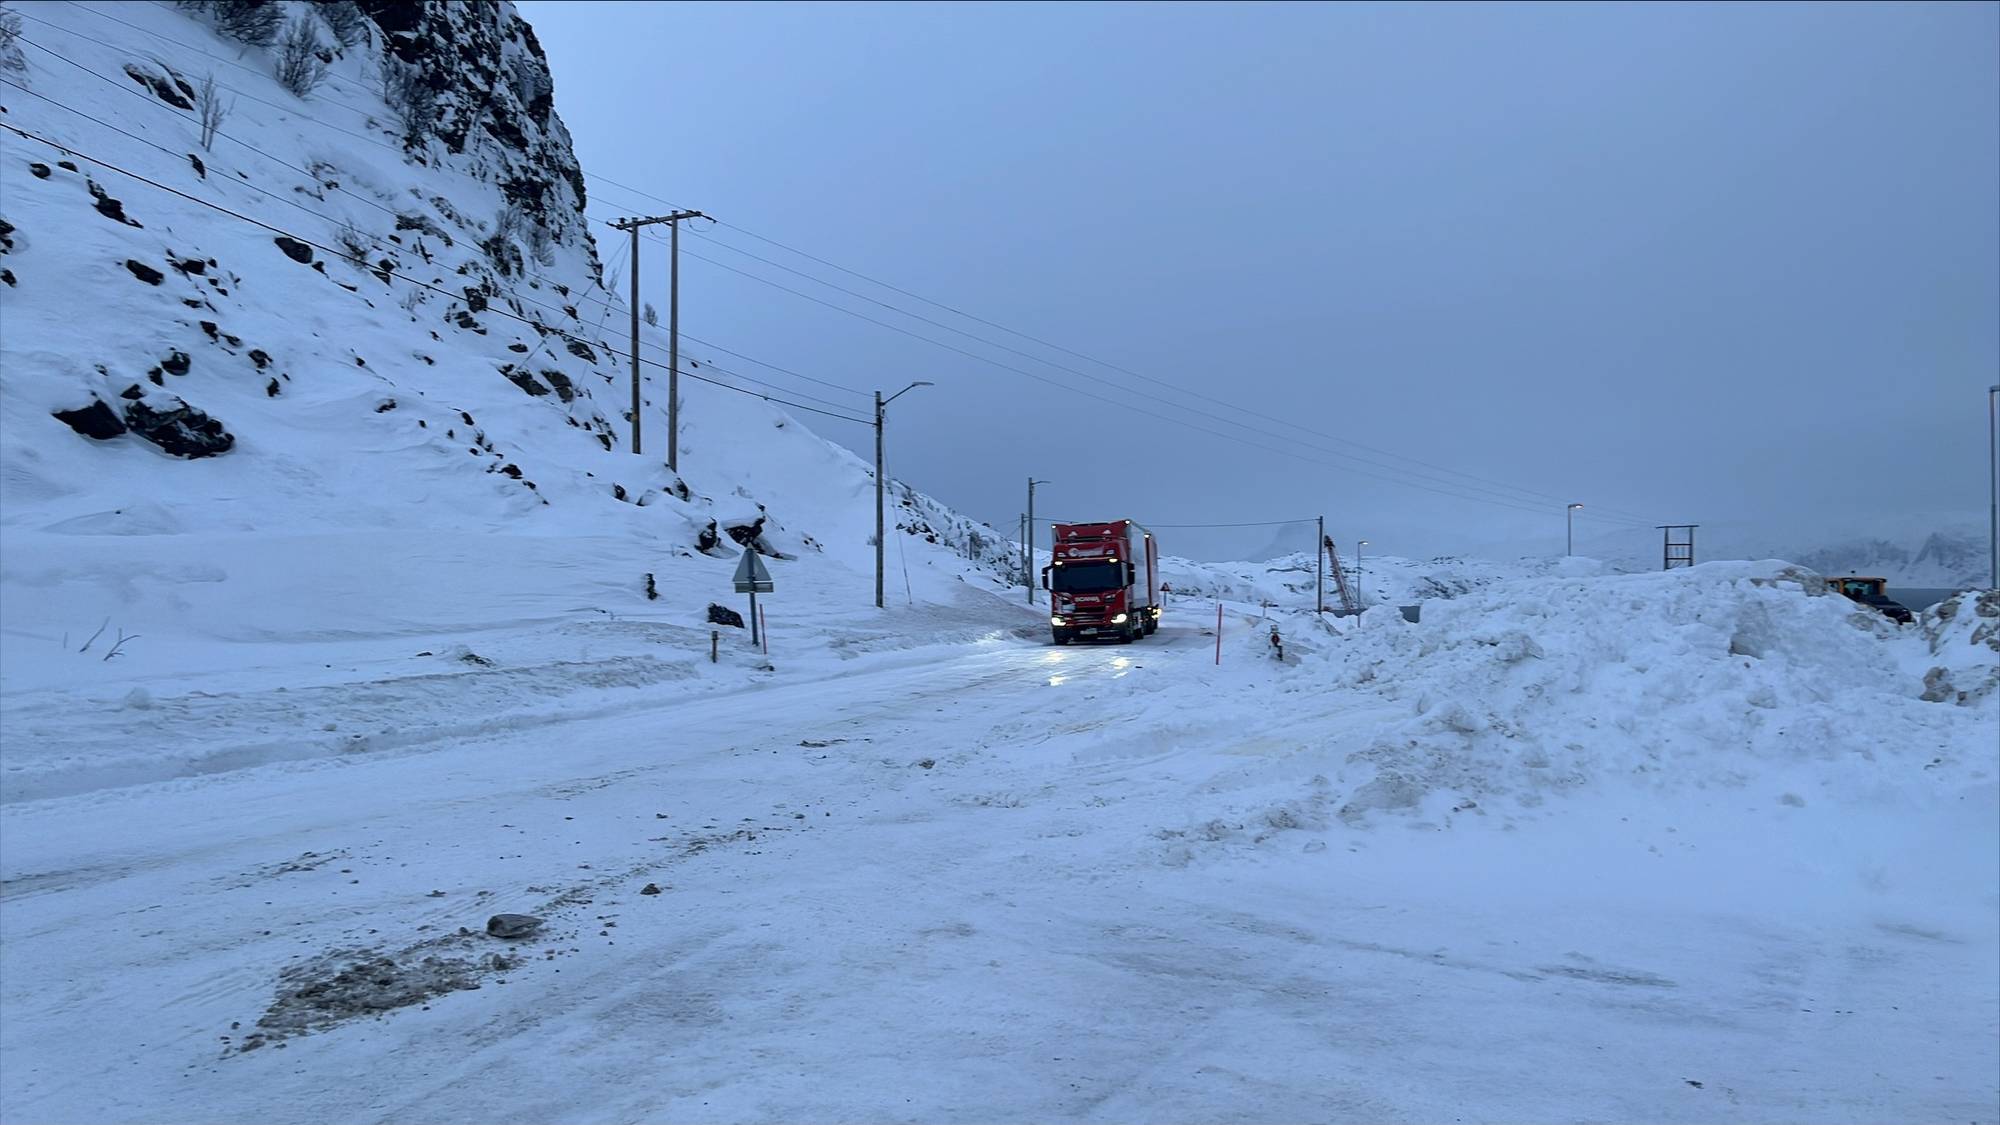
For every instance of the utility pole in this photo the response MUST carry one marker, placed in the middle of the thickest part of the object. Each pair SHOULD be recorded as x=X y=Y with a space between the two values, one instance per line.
x=881 y=402
x=1993 y=481
x=1319 y=571
x=1030 y=559
x=1569 y=520
x=1021 y=537
x=673 y=331
x=1360 y=598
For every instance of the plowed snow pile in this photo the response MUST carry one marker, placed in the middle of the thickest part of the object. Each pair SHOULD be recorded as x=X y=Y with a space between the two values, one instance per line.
x=1710 y=677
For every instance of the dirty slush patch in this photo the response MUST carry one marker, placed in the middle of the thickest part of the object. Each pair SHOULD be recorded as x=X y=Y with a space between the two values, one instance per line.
x=347 y=984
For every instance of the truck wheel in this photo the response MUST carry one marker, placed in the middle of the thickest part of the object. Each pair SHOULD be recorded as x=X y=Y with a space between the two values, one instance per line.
x=1152 y=625
x=1062 y=638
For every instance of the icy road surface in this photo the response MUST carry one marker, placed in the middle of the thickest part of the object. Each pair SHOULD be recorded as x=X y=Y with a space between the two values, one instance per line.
x=996 y=881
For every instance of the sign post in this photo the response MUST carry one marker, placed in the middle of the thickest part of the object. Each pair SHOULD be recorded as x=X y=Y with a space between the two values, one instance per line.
x=752 y=578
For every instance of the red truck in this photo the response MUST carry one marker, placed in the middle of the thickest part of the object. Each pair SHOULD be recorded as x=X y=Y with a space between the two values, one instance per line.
x=1104 y=582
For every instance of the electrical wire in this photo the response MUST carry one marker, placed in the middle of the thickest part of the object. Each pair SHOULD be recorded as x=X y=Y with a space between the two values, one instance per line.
x=1494 y=492
x=1482 y=483
x=495 y=310
x=1460 y=492
x=1491 y=489
x=376 y=244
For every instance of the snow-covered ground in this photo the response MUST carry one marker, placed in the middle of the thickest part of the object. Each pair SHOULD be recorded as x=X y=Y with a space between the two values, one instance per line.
x=281 y=728
x=1665 y=847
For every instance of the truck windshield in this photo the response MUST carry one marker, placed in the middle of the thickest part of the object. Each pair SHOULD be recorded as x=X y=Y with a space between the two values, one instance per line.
x=1087 y=577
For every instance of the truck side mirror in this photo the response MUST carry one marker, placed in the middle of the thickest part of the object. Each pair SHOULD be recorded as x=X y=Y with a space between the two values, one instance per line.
x=1045 y=578
x=1131 y=573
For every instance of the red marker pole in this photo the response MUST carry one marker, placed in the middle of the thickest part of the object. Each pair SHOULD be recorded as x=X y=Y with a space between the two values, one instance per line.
x=1218 y=633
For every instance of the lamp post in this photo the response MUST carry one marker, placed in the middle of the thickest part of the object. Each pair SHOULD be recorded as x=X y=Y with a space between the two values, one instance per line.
x=1359 y=601
x=1028 y=561
x=1993 y=482
x=1569 y=520
x=881 y=402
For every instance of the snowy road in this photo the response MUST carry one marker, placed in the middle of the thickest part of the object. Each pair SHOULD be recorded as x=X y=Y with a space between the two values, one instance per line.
x=996 y=882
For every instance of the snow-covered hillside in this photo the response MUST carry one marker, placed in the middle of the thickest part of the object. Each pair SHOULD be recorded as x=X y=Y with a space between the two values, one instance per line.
x=350 y=369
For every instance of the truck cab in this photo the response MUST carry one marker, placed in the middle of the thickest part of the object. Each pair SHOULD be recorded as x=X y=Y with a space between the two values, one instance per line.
x=1873 y=593
x=1103 y=582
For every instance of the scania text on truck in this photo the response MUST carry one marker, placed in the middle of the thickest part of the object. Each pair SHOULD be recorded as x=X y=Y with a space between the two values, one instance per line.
x=1104 y=582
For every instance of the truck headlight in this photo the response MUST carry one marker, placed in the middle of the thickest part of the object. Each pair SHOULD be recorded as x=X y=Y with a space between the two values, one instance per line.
x=1058 y=620
x=1118 y=620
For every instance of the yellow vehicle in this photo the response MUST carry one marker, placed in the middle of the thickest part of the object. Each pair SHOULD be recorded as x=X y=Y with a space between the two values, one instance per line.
x=1873 y=593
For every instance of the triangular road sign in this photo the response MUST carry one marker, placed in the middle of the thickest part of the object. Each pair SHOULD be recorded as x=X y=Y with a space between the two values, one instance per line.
x=751 y=575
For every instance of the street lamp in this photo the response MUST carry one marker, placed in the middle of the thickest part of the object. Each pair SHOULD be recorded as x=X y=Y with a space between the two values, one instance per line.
x=1569 y=519
x=1359 y=601
x=1993 y=483
x=881 y=402
x=1028 y=559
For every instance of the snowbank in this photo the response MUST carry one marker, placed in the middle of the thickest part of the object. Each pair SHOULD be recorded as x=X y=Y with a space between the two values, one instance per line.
x=1719 y=676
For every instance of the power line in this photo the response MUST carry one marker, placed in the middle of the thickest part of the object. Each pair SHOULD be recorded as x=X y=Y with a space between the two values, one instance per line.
x=1493 y=494
x=291 y=111
x=1455 y=491
x=1481 y=483
x=400 y=276
x=293 y=203
x=376 y=244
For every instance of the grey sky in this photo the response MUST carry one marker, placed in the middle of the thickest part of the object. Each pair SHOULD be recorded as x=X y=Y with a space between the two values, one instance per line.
x=1731 y=262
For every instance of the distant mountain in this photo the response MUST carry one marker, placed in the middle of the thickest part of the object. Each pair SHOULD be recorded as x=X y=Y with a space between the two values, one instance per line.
x=1942 y=558
x=1939 y=552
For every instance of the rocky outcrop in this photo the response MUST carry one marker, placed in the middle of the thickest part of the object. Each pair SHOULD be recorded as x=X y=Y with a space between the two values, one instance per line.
x=489 y=84
x=177 y=428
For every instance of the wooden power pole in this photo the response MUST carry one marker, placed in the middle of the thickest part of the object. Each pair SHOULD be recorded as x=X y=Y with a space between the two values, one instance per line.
x=673 y=329
x=1319 y=572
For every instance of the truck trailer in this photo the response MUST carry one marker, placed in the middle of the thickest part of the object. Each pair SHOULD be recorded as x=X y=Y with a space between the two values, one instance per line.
x=1103 y=582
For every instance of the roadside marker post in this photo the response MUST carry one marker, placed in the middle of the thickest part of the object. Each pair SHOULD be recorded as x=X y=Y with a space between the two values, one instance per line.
x=1218 y=634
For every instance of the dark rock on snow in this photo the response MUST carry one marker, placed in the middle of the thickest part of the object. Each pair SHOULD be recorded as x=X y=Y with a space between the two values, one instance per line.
x=159 y=85
x=144 y=272
x=524 y=380
x=512 y=925
x=94 y=421
x=294 y=249
x=723 y=615
x=178 y=429
x=108 y=207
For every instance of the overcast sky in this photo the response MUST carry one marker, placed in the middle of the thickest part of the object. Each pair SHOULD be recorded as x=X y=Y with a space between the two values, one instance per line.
x=1684 y=263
